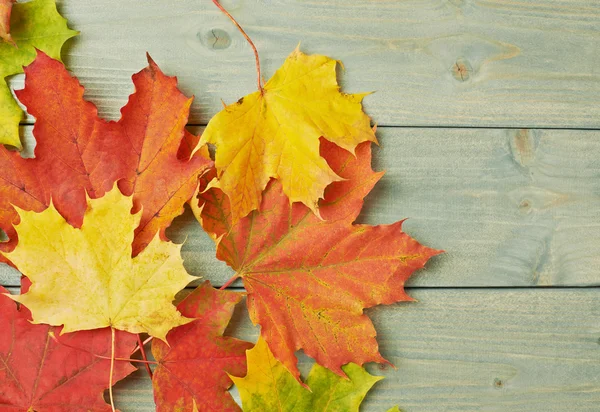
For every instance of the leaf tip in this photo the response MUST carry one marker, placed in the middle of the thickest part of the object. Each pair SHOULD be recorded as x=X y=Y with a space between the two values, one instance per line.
x=151 y=61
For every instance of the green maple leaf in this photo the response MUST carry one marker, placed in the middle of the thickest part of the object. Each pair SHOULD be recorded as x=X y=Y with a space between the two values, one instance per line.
x=34 y=25
x=269 y=386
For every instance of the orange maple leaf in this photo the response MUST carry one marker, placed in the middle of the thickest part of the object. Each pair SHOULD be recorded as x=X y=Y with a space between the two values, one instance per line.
x=77 y=152
x=5 y=12
x=308 y=280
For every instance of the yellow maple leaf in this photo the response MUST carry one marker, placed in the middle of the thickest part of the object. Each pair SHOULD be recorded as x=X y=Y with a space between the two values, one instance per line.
x=275 y=133
x=86 y=279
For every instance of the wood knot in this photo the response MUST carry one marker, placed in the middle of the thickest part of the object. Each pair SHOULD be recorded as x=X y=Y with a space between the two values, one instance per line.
x=525 y=206
x=215 y=39
x=523 y=146
x=462 y=70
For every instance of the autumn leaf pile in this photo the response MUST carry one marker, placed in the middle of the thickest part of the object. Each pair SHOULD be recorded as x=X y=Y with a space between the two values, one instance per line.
x=86 y=221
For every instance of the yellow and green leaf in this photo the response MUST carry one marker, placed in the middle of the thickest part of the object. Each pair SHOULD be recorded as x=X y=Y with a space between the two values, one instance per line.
x=269 y=386
x=33 y=25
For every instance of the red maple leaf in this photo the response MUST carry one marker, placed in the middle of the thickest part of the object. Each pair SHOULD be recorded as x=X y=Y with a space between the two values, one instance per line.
x=77 y=152
x=38 y=373
x=195 y=364
x=308 y=280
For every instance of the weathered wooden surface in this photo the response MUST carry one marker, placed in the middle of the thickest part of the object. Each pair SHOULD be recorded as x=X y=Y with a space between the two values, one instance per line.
x=530 y=63
x=513 y=206
x=510 y=207
x=467 y=350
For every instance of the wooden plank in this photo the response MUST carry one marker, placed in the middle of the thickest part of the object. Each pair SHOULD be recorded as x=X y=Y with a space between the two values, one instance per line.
x=470 y=350
x=529 y=63
x=510 y=207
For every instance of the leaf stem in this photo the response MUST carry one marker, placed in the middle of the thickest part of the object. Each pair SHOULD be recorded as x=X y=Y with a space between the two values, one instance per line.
x=229 y=282
x=260 y=88
x=148 y=362
x=137 y=348
x=144 y=357
x=112 y=368
x=101 y=356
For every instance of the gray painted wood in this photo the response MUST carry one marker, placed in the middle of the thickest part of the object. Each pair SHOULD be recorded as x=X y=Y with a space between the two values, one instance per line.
x=510 y=207
x=469 y=350
x=530 y=63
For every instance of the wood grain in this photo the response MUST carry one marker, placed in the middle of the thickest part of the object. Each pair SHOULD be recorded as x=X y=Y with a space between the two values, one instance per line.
x=510 y=207
x=529 y=63
x=469 y=350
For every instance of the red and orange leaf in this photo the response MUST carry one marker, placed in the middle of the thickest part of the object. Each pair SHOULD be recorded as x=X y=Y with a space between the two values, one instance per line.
x=19 y=185
x=5 y=11
x=308 y=280
x=211 y=207
x=194 y=367
x=41 y=374
x=343 y=199
x=77 y=152
x=153 y=123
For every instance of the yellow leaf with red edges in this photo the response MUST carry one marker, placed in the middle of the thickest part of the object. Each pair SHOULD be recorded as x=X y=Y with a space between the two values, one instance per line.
x=275 y=134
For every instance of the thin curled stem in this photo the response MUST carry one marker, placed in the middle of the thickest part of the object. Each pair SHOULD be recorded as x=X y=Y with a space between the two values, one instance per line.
x=259 y=77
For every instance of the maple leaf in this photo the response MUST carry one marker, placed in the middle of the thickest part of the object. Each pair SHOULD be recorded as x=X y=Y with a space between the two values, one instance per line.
x=35 y=25
x=309 y=280
x=343 y=199
x=19 y=185
x=211 y=207
x=86 y=279
x=193 y=368
x=160 y=178
x=5 y=11
x=77 y=152
x=275 y=133
x=269 y=386
x=40 y=374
